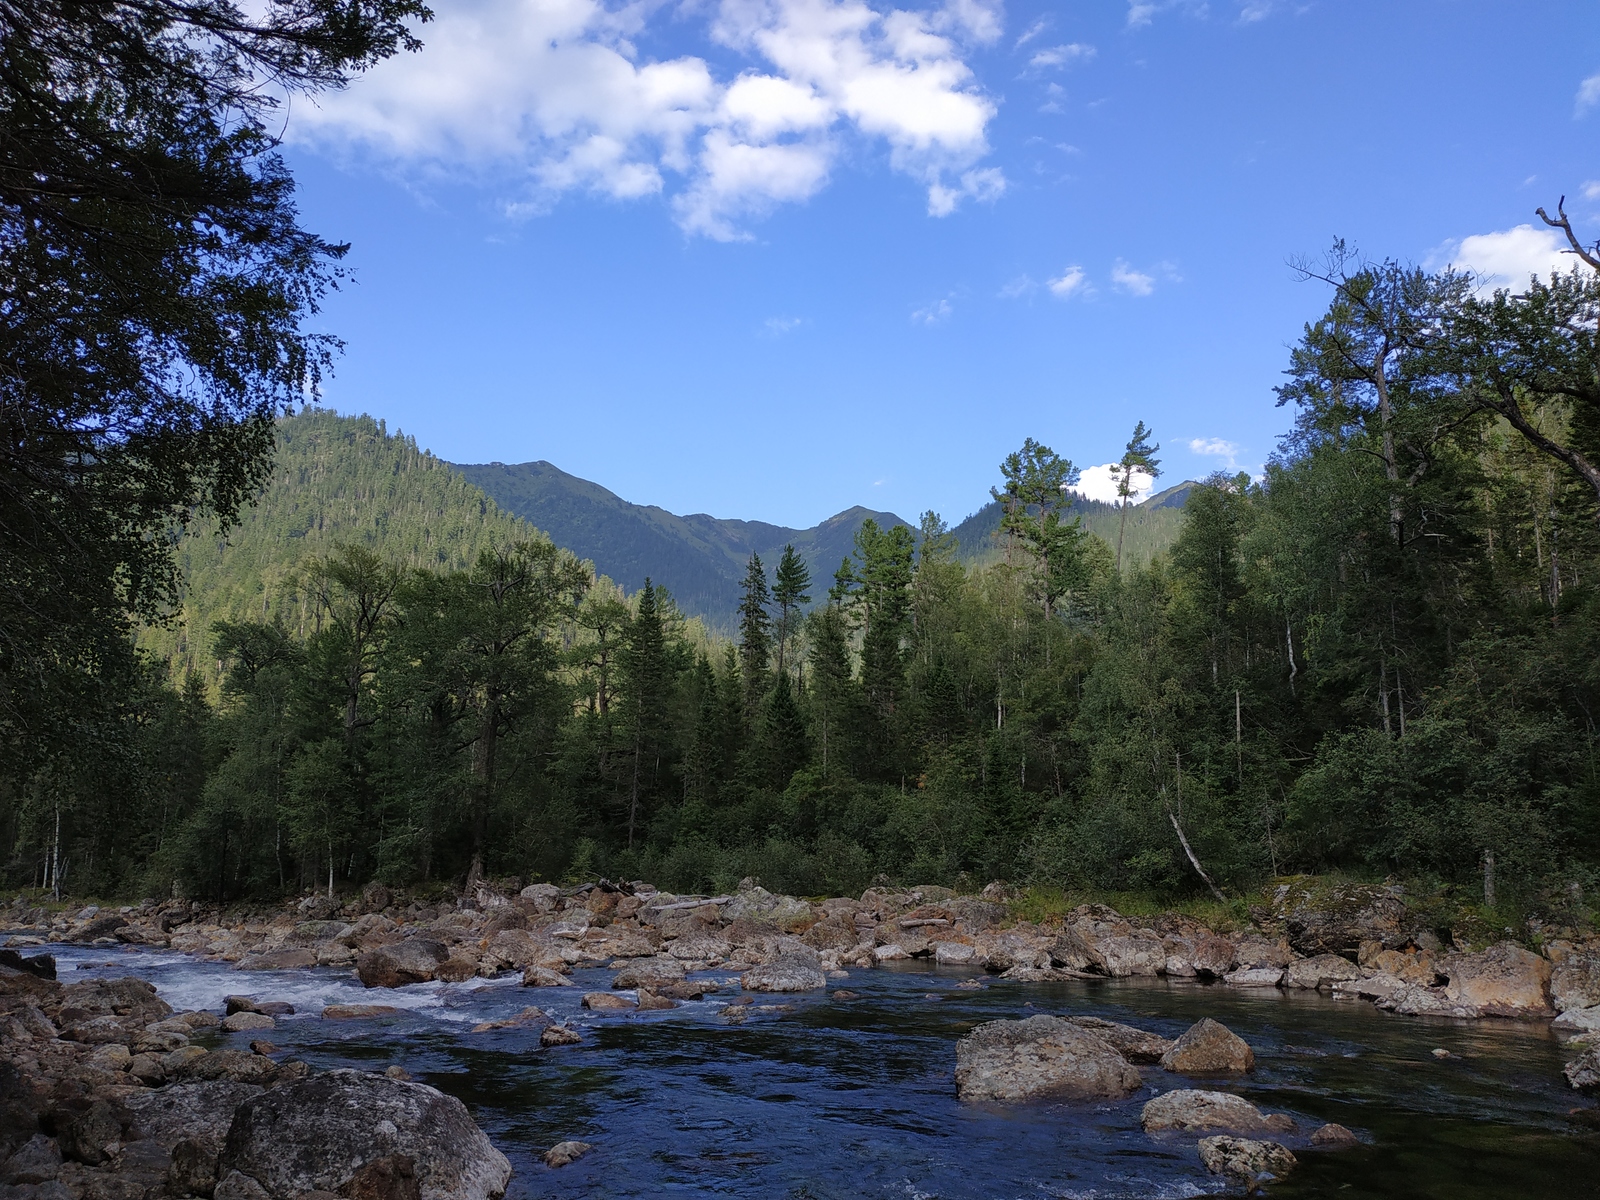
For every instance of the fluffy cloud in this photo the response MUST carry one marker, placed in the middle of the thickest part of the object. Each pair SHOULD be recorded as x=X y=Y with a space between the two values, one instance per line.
x=1100 y=483
x=1071 y=282
x=554 y=93
x=1061 y=56
x=1588 y=94
x=934 y=314
x=1135 y=283
x=1591 y=189
x=1506 y=259
x=1214 y=447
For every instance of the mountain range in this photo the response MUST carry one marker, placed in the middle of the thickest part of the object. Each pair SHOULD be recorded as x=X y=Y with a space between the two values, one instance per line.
x=342 y=479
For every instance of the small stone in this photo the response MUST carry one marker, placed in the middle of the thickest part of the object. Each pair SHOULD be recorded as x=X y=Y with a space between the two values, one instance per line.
x=649 y=1001
x=1333 y=1135
x=238 y=1004
x=1245 y=1159
x=537 y=976
x=396 y=1071
x=241 y=1022
x=845 y=994
x=559 y=1035
x=734 y=1014
x=1441 y=1052
x=262 y=1046
x=565 y=1153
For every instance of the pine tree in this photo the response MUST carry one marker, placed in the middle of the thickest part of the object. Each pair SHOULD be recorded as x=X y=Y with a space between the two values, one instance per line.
x=648 y=681
x=1138 y=456
x=789 y=592
x=755 y=636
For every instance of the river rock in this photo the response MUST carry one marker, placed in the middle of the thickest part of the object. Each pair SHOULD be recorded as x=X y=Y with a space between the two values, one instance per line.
x=544 y=977
x=356 y=1012
x=320 y=1133
x=415 y=960
x=278 y=960
x=241 y=1022
x=785 y=912
x=535 y=1018
x=1191 y=1109
x=1135 y=1045
x=1320 y=972
x=1575 y=980
x=1321 y=917
x=564 y=1154
x=650 y=972
x=1255 y=977
x=1245 y=1159
x=1333 y=1136
x=1074 y=951
x=38 y=1160
x=559 y=1035
x=1502 y=981
x=1040 y=1057
x=607 y=1002
x=544 y=897
x=791 y=972
x=1209 y=1048
x=1578 y=1020
x=1583 y=1072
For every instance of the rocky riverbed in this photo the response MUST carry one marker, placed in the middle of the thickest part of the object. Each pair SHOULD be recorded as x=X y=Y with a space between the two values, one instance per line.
x=619 y=1041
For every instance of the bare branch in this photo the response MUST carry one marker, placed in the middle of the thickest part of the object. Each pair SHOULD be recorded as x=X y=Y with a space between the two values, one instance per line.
x=1588 y=254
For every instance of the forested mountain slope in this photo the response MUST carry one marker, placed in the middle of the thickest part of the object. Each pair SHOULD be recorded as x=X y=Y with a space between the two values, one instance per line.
x=1153 y=526
x=700 y=559
x=338 y=480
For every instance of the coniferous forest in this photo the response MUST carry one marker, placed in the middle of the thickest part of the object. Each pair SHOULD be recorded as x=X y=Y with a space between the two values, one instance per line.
x=1380 y=658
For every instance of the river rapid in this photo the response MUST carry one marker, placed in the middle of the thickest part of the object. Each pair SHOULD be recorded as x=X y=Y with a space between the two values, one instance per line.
x=824 y=1098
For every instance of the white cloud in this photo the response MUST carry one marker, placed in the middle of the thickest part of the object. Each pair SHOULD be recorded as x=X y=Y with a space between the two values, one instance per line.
x=1256 y=10
x=1216 y=448
x=547 y=97
x=1060 y=56
x=1588 y=94
x=1508 y=258
x=778 y=326
x=934 y=314
x=1591 y=189
x=1022 y=285
x=1135 y=283
x=1032 y=32
x=1100 y=483
x=1071 y=282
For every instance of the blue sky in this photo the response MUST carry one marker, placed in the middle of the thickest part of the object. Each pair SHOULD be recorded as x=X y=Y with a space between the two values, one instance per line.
x=772 y=258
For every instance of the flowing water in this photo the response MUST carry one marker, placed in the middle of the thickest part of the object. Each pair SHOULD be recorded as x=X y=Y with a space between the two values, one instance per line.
x=818 y=1097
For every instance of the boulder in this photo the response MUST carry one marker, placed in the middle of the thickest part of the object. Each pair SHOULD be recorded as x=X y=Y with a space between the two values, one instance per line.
x=650 y=972
x=1135 y=1045
x=357 y=1012
x=1583 y=1072
x=1212 y=956
x=1245 y=1159
x=543 y=896
x=607 y=1002
x=534 y=1018
x=953 y=953
x=190 y=1121
x=786 y=912
x=649 y=1001
x=391 y=1178
x=791 y=972
x=1255 y=977
x=1076 y=952
x=415 y=960
x=559 y=1035
x=1320 y=972
x=1038 y=1058
x=1575 y=981
x=1333 y=1136
x=241 y=1022
x=321 y=1132
x=1190 y=1109
x=1130 y=955
x=38 y=1160
x=1502 y=981
x=565 y=1153
x=1578 y=1020
x=279 y=960
x=1372 y=985
x=701 y=947
x=1320 y=917
x=1209 y=1048
x=544 y=977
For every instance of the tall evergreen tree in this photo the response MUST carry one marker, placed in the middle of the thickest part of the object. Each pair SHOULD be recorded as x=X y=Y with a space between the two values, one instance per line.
x=790 y=591
x=1138 y=456
x=755 y=636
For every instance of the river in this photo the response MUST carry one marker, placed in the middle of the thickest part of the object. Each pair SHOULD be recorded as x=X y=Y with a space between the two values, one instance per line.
x=820 y=1098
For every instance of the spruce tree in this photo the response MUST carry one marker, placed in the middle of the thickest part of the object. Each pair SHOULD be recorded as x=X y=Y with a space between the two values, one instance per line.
x=755 y=636
x=790 y=591
x=1138 y=456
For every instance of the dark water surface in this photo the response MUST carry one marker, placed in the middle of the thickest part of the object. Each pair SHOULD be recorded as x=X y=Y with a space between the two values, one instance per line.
x=834 y=1098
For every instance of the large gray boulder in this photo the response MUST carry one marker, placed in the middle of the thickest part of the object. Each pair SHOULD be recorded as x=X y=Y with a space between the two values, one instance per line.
x=1209 y=1048
x=318 y=1134
x=415 y=960
x=1134 y=1044
x=792 y=972
x=1245 y=1159
x=1037 y=1058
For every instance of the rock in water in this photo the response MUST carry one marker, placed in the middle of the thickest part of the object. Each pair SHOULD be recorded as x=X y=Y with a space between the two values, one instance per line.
x=415 y=960
x=321 y=1132
x=537 y=976
x=1135 y=1045
x=1244 y=1159
x=1333 y=1136
x=1192 y=1109
x=1502 y=981
x=1209 y=1048
x=1583 y=1072
x=786 y=973
x=1040 y=1057
x=565 y=1153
